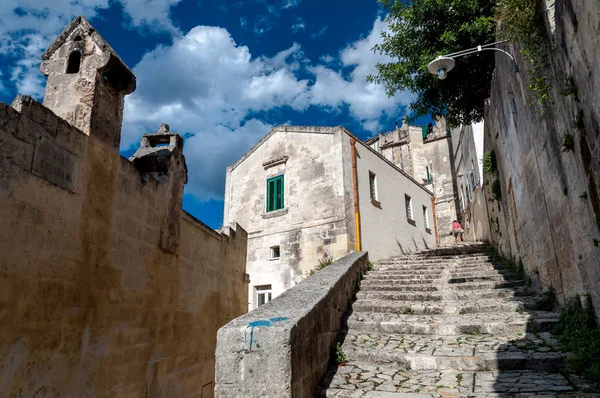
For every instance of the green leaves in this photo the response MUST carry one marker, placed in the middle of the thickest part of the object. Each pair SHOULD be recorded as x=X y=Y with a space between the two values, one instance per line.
x=419 y=31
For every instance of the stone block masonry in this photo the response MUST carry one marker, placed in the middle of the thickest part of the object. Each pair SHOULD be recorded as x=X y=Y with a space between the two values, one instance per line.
x=282 y=348
x=548 y=156
x=107 y=287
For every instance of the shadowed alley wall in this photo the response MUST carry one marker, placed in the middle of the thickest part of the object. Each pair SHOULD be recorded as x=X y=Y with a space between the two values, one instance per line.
x=549 y=212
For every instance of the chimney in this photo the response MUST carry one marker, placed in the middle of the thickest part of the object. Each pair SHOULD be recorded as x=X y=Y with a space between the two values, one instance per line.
x=87 y=82
x=160 y=159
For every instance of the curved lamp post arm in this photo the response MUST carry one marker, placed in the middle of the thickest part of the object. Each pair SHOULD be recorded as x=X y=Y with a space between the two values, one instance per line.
x=502 y=51
x=445 y=63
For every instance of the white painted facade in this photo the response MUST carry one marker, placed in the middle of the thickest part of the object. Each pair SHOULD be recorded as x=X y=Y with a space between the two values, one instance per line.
x=317 y=219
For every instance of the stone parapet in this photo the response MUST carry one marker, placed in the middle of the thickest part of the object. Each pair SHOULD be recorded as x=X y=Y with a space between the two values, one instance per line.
x=282 y=348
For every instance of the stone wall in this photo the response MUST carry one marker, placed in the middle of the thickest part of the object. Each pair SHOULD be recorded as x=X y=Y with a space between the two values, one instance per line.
x=549 y=212
x=282 y=348
x=106 y=289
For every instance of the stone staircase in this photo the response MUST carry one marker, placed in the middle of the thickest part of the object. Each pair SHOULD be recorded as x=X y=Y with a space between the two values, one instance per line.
x=448 y=323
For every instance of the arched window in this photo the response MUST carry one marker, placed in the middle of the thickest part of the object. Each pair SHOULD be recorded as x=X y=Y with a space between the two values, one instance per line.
x=74 y=62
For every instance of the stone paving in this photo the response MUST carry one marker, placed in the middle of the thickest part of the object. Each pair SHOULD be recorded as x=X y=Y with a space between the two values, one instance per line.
x=447 y=323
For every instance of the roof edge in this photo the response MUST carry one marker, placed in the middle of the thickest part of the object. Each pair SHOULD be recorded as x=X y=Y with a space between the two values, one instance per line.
x=284 y=128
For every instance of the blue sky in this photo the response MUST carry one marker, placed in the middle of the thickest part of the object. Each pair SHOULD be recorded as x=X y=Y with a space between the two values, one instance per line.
x=221 y=73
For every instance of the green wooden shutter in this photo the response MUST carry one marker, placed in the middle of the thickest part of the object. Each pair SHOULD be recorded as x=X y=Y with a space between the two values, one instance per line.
x=279 y=193
x=275 y=193
x=428 y=175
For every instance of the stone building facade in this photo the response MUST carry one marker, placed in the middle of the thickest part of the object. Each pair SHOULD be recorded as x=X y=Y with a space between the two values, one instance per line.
x=426 y=154
x=108 y=287
x=467 y=147
x=299 y=197
x=547 y=212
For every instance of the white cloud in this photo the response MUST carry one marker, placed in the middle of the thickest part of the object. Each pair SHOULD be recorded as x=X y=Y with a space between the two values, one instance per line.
x=27 y=27
x=299 y=25
x=291 y=3
x=205 y=84
x=320 y=32
x=326 y=59
x=367 y=101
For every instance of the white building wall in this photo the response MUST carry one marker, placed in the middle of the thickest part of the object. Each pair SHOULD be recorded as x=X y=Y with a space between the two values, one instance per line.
x=385 y=229
x=317 y=219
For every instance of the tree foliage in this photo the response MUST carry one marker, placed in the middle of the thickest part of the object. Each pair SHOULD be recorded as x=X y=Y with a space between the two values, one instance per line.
x=419 y=31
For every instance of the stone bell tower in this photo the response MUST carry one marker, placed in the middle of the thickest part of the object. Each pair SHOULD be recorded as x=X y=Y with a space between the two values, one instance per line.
x=87 y=82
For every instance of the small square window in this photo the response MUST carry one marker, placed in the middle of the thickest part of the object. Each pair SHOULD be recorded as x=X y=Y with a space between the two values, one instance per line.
x=408 y=204
x=372 y=186
x=275 y=253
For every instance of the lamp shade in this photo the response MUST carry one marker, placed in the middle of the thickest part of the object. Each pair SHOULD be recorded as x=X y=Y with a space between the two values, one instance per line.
x=440 y=63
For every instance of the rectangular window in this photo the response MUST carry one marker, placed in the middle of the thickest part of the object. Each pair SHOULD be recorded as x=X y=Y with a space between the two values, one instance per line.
x=428 y=175
x=263 y=294
x=425 y=217
x=408 y=204
x=275 y=193
x=372 y=186
x=274 y=253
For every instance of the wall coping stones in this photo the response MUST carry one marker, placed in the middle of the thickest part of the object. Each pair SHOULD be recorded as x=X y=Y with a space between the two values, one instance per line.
x=282 y=348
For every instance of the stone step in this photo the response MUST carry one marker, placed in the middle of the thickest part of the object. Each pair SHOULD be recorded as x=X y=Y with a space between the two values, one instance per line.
x=450 y=325
x=404 y=275
x=433 y=262
x=411 y=268
x=462 y=352
x=398 y=281
x=368 y=380
x=482 y=285
x=365 y=295
x=481 y=276
x=465 y=302
x=453 y=268
x=383 y=285
x=387 y=291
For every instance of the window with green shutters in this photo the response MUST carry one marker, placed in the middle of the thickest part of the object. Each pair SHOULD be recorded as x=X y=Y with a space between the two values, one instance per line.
x=275 y=193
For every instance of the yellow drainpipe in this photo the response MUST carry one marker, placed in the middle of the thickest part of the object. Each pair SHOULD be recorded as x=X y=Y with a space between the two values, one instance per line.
x=355 y=186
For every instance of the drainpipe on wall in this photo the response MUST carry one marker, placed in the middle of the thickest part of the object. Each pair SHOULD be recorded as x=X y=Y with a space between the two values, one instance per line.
x=355 y=188
x=435 y=228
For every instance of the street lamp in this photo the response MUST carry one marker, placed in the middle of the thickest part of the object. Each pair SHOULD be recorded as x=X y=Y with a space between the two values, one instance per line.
x=445 y=63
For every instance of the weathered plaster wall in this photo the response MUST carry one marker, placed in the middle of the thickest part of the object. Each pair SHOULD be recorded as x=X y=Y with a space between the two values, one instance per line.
x=549 y=214
x=385 y=229
x=91 y=305
x=317 y=213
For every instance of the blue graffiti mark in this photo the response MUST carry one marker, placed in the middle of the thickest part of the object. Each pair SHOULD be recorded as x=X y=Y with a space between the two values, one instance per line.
x=263 y=323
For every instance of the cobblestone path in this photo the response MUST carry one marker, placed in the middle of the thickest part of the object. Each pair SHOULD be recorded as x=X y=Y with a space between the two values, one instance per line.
x=447 y=323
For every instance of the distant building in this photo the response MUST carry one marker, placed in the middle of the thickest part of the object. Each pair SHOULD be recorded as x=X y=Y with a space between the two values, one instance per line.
x=309 y=193
x=425 y=153
x=467 y=144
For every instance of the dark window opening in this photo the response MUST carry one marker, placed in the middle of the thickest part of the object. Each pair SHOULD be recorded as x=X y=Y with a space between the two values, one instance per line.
x=77 y=38
x=74 y=62
x=372 y=186
x=116 y=76
x=275 y=253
